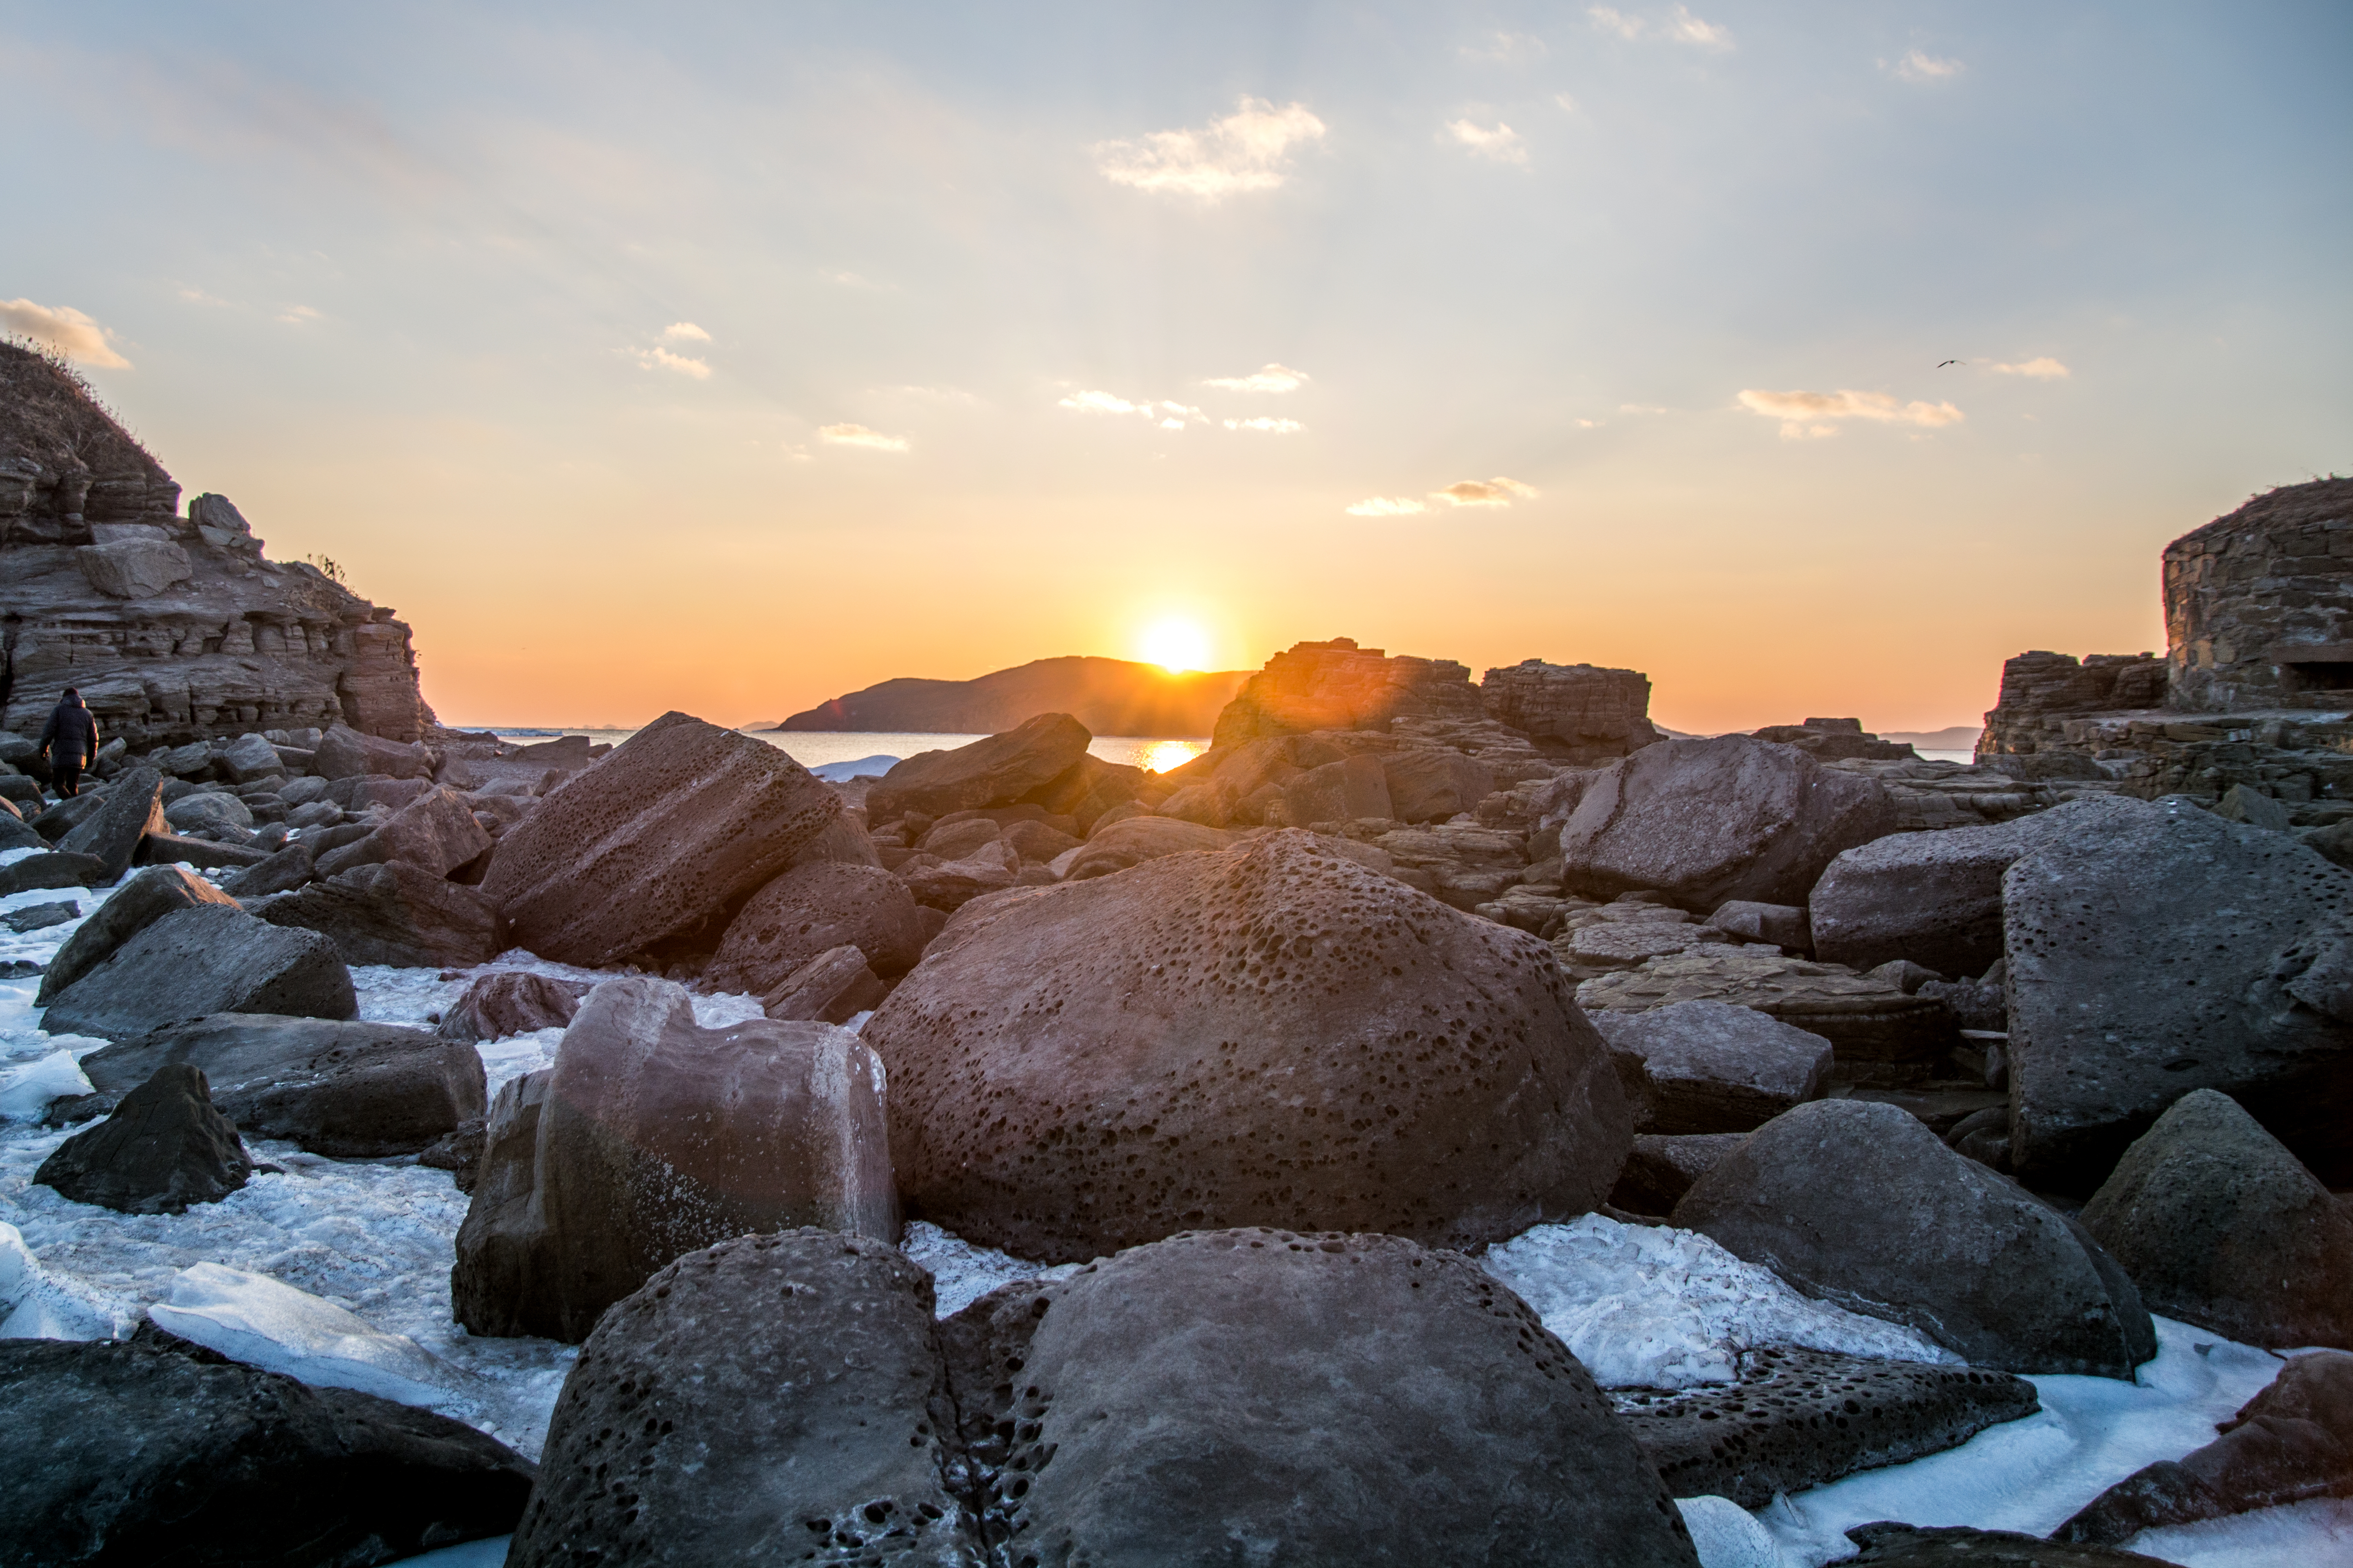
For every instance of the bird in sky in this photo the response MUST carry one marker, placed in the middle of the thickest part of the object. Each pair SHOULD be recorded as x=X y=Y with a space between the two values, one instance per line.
x=1942 y=363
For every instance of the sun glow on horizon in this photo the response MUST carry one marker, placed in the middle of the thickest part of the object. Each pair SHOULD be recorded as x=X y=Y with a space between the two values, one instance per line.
x=1177 y=645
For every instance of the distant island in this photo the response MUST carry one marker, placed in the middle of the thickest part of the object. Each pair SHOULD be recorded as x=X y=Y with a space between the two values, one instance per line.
x=1109 y=696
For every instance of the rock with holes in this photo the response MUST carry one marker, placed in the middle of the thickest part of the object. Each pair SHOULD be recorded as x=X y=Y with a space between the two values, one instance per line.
x=652 y=1137
x=1328 y=1398
x=2160 y=950
x=1858 y=1204
x=1800 y=1418
x=770 y=1399
x=1272 y=1034
x=811 y=909
x=139 y=903
x=2220 y=1226
x=510 y=1002
x=201 y=960
x=164 y=1147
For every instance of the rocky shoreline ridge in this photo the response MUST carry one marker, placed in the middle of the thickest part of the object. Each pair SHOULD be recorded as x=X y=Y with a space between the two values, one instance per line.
x=1305 y=1077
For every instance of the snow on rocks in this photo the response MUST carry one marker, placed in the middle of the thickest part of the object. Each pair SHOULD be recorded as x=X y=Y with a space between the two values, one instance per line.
x=962 y=1273
x=256 y=1320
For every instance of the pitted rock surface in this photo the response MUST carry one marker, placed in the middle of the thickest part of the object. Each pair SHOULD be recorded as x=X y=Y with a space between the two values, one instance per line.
x=1157 y=1405
x=771 y=1399
x=1266 y=1035
x=812 y=909
x=1800 y=1418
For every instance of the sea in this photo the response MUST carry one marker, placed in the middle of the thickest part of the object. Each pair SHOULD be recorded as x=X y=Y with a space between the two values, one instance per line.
x=821 y=748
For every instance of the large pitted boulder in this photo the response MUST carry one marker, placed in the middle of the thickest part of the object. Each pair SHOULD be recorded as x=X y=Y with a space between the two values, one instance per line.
x=673 y=828
x=133 y=809
x=1859 y=1205
x=1269 y=1035
x=348 y=1090
x=1708 y=1066
x=139 y=903
x=799 y=1377
x=166 y=1147
x=1135 y=839
x=2220 y=1226
x=651 y=1137
x=135 y=1452
x=811 y=909
x=344 y=752
x=1935 y=898
x=2162 y=950
x=199 y=961
x=1707 y=821
x=436 y=833
x=997 y=771
x=392 y=913
x=1326 y=1398
x=497 y=1005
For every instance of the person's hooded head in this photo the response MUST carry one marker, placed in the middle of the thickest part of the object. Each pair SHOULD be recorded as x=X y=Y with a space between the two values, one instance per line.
x=72 y=698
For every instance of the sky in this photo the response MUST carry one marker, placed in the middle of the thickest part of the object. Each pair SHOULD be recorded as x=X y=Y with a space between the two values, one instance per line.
x=729 y=358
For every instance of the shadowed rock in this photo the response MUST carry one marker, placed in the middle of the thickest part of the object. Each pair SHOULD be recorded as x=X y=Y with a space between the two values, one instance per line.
x=997 y=771
x=1706 y=1067
x=1660 y=1170
x=164 y=1148
x=132 y=810
x=1887 y=1545
x=56 y=868
x=808 y=911
x=436 y=833
x=497 y=1005
x=831 y=988
x=139 y=903
x=393 y=913
x=202 y=960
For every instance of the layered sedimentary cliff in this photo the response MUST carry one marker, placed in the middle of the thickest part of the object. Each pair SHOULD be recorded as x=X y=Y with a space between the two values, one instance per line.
x=1109 y=696
x=174 y=628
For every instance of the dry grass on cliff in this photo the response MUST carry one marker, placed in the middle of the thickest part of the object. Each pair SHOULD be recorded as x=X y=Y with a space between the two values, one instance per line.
x=51 y=413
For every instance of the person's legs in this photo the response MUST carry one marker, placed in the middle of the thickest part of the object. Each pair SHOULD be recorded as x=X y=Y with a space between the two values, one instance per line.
x=66 y=773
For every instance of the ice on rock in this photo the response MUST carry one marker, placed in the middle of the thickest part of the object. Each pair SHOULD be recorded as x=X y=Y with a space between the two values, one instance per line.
x=2316 y=1534
x=1726 y=1535
x=962 y=1273
x=26 y=1087
x=857 y=767
x=263 y=1322
x=1652 y=1307
x=37 y=1305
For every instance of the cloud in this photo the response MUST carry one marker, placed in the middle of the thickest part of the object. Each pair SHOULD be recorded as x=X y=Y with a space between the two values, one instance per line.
x=2043 y=369
x=1567 y=104
x=1266 y=378
x=298 y=315
x=682 y=364
x=1483 y=492
x=1506 y=47
x=1919 y=66
x=1811 y=413
x=1167 y=415
x=1681 y=27
x=1272 y=426
x=64 y=329
x=1502 y=143
x=678 y=330
x=1246 y=151
x=1608 y=20
x=860 y=436
x=1387 y=506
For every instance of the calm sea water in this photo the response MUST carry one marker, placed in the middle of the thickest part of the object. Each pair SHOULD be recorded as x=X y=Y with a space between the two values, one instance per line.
x=815 y=748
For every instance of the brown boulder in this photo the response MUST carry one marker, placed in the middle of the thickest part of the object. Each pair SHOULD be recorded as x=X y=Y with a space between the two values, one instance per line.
x=1137 y=839
x=497 y=1005
x=997 y=771
x=437 y=831
x=808 y=911
x=395 y=913
x=1270 y=1036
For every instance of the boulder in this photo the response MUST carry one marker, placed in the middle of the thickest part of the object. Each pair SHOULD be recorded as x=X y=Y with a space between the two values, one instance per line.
x=652 y=1137
x=955 y=839
x=139 y=903
x=40 y=917
x=2160 y=950
x=172 y=849
x=1434 y=783
x=1859 y=1205
x=1709 y=1066
x=811 y=909
x=496 y=1005
x=348 y=1090
x=164 y=1147
x=2242 y=803
x=131 y=812
x=194 y=961
x=53 y=868
x=1707 y=821
x=137 y=1453
x=1272 y=1034
x=2333 y=843
x=659 y=840
x=393 y=913
x=1800 y=1418
x=1783 y=925
x=797 y=1376
x=250 y=758
x=2220 y=1226
x=1040 y=841
x=998 y=771
x=360 y=792
x=17 y=833
x=133 y=568
x=1344 y=791
x=1886 y=1544
x=831 y=988
x=1326 y=1398
x=284 y=871
x=2291 y=1443
x=1092 y=788
x=1336 y=684
x=1660 y=1169
x=1135 y=840
x=207 y=811
x=436 y=833
x=1935 y=898
x=950 y=884
x=343 y=752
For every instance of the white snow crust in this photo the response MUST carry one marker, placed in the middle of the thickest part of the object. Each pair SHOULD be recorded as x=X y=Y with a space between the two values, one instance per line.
x=962 y=1273
x=254 y=1318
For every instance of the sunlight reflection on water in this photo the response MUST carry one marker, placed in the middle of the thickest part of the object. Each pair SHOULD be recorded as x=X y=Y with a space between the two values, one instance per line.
x=815 y=748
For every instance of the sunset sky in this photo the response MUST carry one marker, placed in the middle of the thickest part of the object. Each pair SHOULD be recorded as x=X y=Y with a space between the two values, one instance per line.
x=730 y=358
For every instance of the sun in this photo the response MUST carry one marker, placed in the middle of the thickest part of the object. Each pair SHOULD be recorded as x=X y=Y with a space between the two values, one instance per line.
x=1177 y=645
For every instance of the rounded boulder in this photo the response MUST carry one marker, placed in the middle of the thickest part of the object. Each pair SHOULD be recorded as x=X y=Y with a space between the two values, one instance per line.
x=812 y=909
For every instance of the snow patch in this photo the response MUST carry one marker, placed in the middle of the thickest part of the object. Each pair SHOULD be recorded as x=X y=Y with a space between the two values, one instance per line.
x=2316 y=1534
x=37 y=1305
x=1726 y=1535
x=26 y=1090
x=962 y=1273
x=257 y=1320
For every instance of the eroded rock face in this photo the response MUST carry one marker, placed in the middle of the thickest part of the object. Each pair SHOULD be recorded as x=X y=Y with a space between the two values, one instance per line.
x=813 y=909
x=164 y=1147
x=1267 y=1035
x=2220 y=1226
x=656 y=842
x=1707 y=821
x=1859 y=1205
x=392 y=913
x=998 y=771
x=1162 y=1403
x=1586 y=715
x=652 y=1137
x=202 y=960
x=1336 y=684
x=2161 y=950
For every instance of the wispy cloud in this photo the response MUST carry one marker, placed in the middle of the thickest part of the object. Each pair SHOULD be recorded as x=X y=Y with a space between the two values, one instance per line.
x=1496 y=492
x=1272 y=426
x=64 y=329
x=860 y=436
x=1921 y=66
x=659 y=357
x=1249 y=150
x=2042 y=369
x=1266 y=378
x=1506 y=47
x=1608 y=19
x=1814 y=415
x=1680 y=27
x=1387 y=506
x=686 y=331
x=1503 y=144
x=298 y=315
x=1166 y=414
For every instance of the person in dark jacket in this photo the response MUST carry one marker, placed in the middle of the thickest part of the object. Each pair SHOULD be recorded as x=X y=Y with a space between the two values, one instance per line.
x=69 y=740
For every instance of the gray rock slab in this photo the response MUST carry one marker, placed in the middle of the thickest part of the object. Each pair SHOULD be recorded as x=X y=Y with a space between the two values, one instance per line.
x=132 y=812
x=194 y=961
x=139 y=903
x=393 y=913
x=1711 y=1067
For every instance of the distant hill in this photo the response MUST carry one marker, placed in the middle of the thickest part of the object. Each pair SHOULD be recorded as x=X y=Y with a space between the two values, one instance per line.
x=1109 y=696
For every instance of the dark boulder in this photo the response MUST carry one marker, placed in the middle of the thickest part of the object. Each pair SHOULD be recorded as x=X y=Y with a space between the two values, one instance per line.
x=164 y=1147
x=1660 y=1170
x=134 y=1452
x=56 y=868
x=831 y=988
x=285 y=871
x=1710 y=1067
x=436 y=833
x=199 y=961
x=393 y=913
x=496 y=1005
x=998 y=771
x=133 y=809
x=139 y=903
x=808 y=911
x=203 y=853
x=2220 y=1226
x=1859 y=1205
x=1890 y=1545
